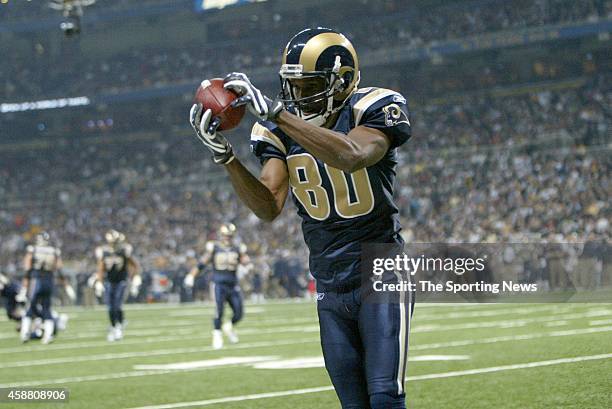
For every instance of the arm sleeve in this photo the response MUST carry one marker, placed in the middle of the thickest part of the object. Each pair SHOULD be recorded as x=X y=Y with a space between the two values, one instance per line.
x=267 y=142
x=387 y=111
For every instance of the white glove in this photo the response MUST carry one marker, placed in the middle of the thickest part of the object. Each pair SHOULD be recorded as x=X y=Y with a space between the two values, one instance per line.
x=3 y=281
x=70 y=292
x=135 y=286
x=205 y=128
x=22 y=295
x=257 y=103
x=98 y=289
x=188 y=282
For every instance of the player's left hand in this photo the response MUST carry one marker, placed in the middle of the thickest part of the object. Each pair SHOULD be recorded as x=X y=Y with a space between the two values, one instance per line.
x=188 y=281
x=99 y=289
x=258 y=104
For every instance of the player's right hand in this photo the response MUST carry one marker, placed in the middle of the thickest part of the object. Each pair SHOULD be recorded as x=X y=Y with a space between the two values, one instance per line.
x=188 y=281
x=205 y=127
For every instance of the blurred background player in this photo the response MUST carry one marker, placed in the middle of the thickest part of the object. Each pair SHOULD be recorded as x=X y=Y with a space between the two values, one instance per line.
x=225 y=257
x=14 y=299
x=14 y=304
x=115 y=265
x=41 y=262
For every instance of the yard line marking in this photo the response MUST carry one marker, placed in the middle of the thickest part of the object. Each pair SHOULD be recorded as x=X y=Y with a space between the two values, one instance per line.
x=441 y=375
x=198 y=313
x=600 y=322
x=318 y=362
x=505 y=338
x=180 y=335
x=510 y=323
x=159 y=352
x=510 y=367
x=560 y=323
x=208 y=363
x=195 y=331
x=165 y=324
x=494 y=312
x=413 y=348
x=428 y=358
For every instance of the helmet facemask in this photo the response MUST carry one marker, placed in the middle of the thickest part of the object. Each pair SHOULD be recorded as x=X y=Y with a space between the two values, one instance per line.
x=42 y=239
x=312 y=95
x=114 y=238
x=226 y=232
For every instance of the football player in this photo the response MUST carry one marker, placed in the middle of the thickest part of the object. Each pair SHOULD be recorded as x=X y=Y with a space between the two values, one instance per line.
x=334 y=145
x=41 y=262
x=14 y=302
x=14 y=299
x=115 y=266
x=224 y=257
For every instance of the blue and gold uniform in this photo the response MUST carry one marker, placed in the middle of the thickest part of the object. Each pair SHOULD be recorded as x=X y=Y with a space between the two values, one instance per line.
x=115 y=259
x=225 y=258
x=340 y=211
x=364 y=344
x=41 y=279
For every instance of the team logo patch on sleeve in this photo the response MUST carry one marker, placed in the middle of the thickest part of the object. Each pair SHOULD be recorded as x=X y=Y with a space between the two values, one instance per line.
x=394 y=115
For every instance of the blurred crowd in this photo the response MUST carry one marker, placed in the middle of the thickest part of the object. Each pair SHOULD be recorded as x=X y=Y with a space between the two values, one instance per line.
x=482 y=166
x=497 y=169
x=37 y=72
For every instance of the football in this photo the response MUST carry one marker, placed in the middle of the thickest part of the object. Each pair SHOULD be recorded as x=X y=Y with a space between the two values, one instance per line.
x=213 y=96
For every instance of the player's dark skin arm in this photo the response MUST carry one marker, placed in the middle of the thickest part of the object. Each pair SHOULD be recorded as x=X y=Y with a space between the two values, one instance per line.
x=100 y=271
x=360 y=148
x=195 y=270
x=27 y=266
x=133 y=267
x=264 y=196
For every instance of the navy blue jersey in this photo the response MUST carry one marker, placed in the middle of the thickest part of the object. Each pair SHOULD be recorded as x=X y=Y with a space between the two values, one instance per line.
x=115 y=261
x=224 y=260
x=341 y=211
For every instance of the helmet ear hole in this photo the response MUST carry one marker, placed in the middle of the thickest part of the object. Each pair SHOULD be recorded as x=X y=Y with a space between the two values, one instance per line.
x=347 y=77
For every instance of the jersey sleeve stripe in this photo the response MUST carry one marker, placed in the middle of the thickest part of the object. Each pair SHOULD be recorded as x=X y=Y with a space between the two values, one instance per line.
x=261 y=133
x=364 y=103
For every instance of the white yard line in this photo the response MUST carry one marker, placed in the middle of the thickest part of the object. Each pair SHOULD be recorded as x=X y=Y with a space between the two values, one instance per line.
x=171 y=351
x=441 y=375
x=158 y=352
x=511 y=323
x=162 y=352
x=600 y=322
x=506 y=338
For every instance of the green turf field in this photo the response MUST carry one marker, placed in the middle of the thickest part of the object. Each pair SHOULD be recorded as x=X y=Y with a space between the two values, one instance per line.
x=461 y=356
